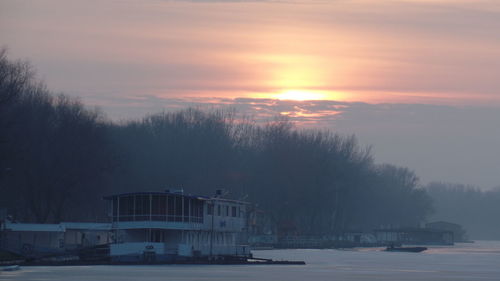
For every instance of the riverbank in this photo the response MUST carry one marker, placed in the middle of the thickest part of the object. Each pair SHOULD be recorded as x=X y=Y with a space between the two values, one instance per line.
x=478 y=261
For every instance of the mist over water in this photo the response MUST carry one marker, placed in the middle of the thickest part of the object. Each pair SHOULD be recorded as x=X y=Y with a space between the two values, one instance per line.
x=477 y=261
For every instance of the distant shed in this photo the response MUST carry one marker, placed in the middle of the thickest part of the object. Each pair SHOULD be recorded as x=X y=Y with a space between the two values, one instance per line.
x=458 y=232
x=416 y=236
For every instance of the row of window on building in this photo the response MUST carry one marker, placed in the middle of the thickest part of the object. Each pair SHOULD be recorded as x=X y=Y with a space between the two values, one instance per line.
x=224 y=210
x=168 y=207
x=157 y=207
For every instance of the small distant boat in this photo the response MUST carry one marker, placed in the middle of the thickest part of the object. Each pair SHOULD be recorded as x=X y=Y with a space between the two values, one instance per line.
x=406 y=249
x=11 y=268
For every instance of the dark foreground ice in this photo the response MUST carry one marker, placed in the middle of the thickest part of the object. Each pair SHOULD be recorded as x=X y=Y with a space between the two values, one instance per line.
x=478 y=261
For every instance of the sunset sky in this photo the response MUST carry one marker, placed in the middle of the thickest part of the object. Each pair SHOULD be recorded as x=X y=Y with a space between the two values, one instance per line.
x=418 y=80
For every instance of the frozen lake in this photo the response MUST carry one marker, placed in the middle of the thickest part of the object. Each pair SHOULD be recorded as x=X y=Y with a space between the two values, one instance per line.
x=478 y=261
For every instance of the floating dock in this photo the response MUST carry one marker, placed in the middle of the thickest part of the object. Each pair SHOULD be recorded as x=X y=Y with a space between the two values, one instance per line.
x=220 y=261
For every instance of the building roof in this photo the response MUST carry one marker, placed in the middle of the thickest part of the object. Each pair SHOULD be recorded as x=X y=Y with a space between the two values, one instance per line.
x=227 y=200
x=41 y=227
x=86 y=225
x=61 y=227
x=410 y=229
x=199 y=197
x=109 y=197
x=436 y=223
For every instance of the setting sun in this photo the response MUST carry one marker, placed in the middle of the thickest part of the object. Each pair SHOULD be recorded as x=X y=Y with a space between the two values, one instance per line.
x=300 y=95
x=303 y=95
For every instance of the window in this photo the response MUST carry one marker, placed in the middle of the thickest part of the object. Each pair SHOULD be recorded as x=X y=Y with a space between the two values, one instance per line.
x=126 y=210
x=186 y=208
x=195 y=210
x=158 y=207
x=142 y=207
x=227 y=211
x=233 y=209
x=115 y=208
x=218 y=210
x=157 y=235
x=198 y=211
x=210 y=209
x=178 y=208
x=170 y=208
x=163 y=206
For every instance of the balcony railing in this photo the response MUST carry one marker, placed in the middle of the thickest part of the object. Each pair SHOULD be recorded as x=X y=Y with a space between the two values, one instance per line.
x=166 y=218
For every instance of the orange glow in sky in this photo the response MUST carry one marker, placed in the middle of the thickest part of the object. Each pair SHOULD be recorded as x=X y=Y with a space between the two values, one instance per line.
x=303 y=95
x=367 y=51
x=300 y=95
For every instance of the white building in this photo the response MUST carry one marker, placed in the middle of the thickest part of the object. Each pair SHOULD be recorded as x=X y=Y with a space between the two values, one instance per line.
x=166 y=226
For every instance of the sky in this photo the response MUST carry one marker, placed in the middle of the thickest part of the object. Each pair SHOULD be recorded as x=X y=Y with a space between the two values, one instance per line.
x=419 y=81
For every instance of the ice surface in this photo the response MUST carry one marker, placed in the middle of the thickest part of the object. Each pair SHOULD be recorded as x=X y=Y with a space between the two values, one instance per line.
x=478 y=261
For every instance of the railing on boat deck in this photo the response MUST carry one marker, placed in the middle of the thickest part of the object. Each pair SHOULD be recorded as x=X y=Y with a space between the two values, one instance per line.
x=158 y=224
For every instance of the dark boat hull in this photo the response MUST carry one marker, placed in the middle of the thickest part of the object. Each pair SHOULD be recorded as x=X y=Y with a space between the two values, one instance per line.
x=406 y=249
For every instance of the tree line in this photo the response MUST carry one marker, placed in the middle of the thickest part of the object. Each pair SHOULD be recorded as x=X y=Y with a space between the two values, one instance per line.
x=59 y=157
